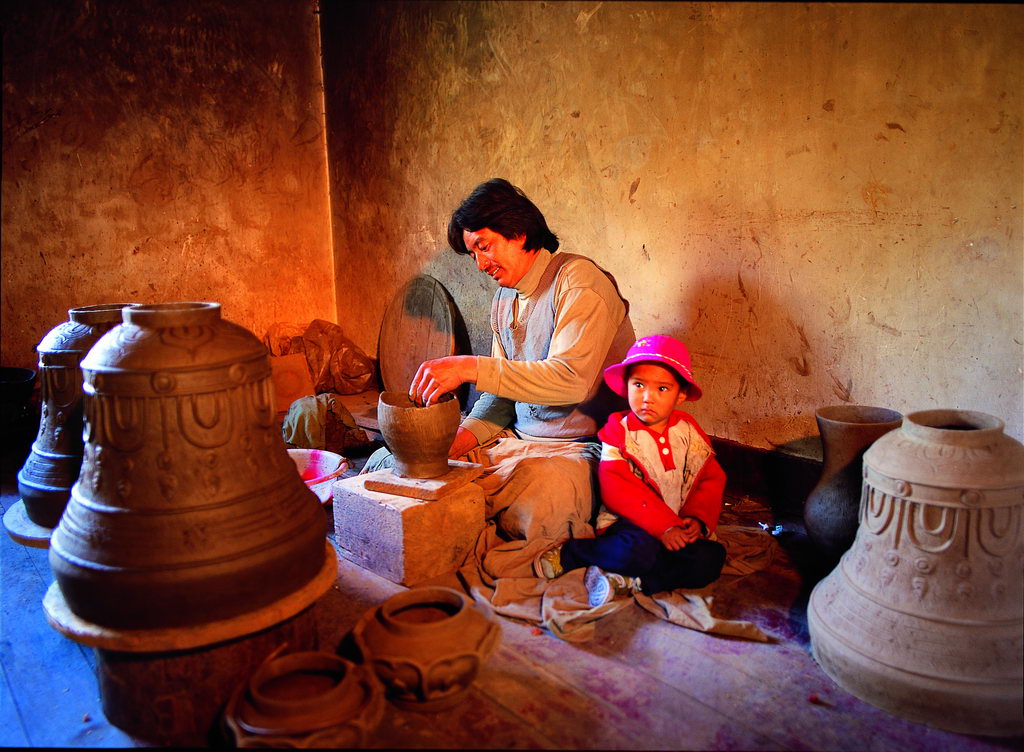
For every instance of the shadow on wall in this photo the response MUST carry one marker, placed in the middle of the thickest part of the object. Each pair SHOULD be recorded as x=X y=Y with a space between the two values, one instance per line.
x=756 y=365
x=762 y=376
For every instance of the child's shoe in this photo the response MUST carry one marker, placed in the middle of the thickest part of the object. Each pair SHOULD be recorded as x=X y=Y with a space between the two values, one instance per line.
x=603 y=587
x=551 y=562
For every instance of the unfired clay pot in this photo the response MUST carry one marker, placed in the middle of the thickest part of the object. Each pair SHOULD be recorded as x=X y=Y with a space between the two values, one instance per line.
x=426 y=645
x=922 y=617
x=188 y=508
x=52 y=467
x=418 y=437
x=831 y=509
x=309 y=699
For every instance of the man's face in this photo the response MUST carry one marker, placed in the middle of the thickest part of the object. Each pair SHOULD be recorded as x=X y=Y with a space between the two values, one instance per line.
x=502 y=258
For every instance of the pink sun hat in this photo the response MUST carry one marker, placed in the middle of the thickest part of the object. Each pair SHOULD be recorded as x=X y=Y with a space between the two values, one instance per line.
x=661 y=349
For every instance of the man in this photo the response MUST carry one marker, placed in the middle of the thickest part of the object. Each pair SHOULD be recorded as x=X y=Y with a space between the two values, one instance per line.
x=558 y=320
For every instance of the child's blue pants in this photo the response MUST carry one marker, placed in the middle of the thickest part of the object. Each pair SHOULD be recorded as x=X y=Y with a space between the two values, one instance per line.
x=630 y=550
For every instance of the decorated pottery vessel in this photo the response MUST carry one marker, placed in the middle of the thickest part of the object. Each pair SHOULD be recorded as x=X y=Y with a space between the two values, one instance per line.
x=188 y=508
x=52 y=467
x=418 y=437
x=426 y=645
x=922 y=617
x=304 y=700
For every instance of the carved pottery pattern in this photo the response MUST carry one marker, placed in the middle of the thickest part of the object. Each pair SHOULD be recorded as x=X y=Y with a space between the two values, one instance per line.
x=416 y=681
x=428 y=665
x=923 y=614
x=189 y=509
x=985 y=535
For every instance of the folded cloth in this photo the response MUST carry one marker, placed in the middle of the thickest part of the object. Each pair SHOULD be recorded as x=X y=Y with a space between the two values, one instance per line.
x=305 y=422
x=321 y=422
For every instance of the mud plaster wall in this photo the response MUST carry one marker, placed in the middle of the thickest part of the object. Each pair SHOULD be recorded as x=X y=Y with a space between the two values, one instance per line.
x=823 y=201
x=159 y=151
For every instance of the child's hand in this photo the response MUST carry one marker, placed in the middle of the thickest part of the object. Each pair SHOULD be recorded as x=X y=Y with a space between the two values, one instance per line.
x=680 y=536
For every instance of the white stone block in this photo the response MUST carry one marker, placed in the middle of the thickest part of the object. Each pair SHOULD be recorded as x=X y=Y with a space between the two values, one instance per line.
x=402 y=539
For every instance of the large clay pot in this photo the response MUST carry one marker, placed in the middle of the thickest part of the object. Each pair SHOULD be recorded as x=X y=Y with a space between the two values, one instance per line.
x=188 y=509
x=831 y=509
x=426 y=645
x=52 y=467
x=309 y=699
x=418 y=437
x=922 y=617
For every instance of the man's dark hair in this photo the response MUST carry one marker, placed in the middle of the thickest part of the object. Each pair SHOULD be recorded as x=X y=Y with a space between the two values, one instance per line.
x=501 y=207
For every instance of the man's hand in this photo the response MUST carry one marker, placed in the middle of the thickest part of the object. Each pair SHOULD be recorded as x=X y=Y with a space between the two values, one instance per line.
x=676 y=538
x=463 y=443
x=437 y=377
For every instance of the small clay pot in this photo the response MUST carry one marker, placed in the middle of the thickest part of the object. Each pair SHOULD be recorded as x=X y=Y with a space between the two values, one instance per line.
x=418 y=437
x=308 y=699
x=427 y=646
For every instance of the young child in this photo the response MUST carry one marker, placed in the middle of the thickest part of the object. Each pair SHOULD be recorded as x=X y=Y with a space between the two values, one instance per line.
x=661 y=487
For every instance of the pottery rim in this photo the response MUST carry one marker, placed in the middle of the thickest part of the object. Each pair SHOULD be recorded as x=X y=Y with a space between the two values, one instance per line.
x=402 y=401
x=858 y=414
x=273 y=715
x=105 y=313
x=186 y=313
x=439 y=597
x=962 y=427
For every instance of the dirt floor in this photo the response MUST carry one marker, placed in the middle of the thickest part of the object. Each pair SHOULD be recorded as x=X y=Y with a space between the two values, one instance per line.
x=640 y=683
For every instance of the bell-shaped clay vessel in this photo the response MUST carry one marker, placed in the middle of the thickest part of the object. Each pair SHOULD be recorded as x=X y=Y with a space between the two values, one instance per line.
x=427 y=645
x=188 y=508
x=831 y=509
x=922 y=617
x=418 y=437
x=52 y=467
x=306 y=700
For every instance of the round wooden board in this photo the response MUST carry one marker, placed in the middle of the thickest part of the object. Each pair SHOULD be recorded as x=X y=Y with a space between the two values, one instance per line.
x=418 y=326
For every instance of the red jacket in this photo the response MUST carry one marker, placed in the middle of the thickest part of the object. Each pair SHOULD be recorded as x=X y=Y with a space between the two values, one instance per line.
x=627 y=474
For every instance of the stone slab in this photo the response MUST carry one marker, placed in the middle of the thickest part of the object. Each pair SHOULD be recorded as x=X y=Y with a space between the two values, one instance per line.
x=161 y=640
x=428 y=489
x=403 y=539
x=23 y=530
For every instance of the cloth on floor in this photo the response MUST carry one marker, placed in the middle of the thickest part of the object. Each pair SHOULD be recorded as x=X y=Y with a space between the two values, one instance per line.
x=537 y=494
x=560 y=605
x=747 y=550
x=522 y=484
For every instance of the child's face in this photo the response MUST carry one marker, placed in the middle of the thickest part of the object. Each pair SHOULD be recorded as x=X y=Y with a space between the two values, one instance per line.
x=653 y=393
